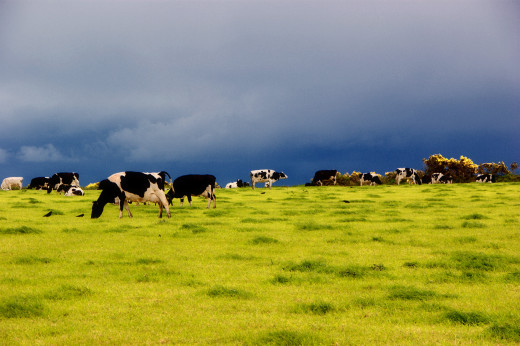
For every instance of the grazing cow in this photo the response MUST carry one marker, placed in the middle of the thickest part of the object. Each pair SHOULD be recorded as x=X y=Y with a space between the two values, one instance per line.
x=427 y=179
x=267 y=176
x=235 y=184
x=436 y=177
x=39 y=183
x=193 y=185
x=324 y=175
x=124 y=187
x=71 y=190
x=446 y=179
x=62 y=178
x=485 y=178
x=10 y=182
x=403 y=173
x=372 y=179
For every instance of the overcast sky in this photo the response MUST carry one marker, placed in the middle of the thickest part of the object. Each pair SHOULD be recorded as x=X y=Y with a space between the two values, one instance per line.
x=224 y=87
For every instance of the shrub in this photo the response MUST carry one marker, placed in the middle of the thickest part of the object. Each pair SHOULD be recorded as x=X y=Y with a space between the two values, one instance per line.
x=493 y=168
x=462 y=170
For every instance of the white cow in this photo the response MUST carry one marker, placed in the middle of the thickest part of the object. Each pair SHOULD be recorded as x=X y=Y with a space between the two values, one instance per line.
x=10 y=182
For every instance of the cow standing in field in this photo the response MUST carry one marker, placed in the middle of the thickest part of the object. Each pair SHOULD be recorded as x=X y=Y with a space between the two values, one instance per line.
x=323 y=176
x=427 y=179
x=123 y=187
x=193 y=185
x=39 y=183
x=12 y=182
x=372 y=179
x=404 y=173
x=267 y=176
x=436 y=178
x=62 y=178
x=485 y=178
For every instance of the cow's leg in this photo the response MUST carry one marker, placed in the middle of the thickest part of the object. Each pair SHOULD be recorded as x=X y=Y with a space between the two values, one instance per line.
x=182 y=201
x=121 y=206
x=164 y=202
x=253 y=184
x=160 y=210
x=125 y=203
x=189 y=199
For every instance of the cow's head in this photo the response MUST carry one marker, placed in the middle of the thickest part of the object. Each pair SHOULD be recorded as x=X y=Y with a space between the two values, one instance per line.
x=170 y=195
x=97 y=209
x=281 y=175
x=110 y=194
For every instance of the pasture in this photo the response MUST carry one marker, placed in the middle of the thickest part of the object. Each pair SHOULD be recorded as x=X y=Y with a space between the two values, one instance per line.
x=430 y=264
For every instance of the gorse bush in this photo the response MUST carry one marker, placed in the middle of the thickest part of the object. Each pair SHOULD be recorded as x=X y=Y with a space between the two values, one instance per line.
x=463 y=170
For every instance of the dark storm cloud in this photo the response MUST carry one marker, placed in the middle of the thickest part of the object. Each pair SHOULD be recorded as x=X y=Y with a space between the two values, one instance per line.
x=149 y=81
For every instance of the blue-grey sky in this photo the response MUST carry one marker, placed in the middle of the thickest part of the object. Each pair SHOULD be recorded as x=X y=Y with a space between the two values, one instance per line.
x=224 y=87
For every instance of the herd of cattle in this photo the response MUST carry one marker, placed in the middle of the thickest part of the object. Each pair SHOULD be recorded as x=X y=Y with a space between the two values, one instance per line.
x=141 y=187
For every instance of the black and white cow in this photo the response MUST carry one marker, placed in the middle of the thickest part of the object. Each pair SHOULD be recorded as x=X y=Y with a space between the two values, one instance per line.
x=404 y=173
x=372 y=179
x=62 y=178
x=235 y=184
x=436 y=178
x=446 y=179
x=193 y=185
x=124 y=187
x=12 y=182
x=70 y=190
x=324 y=175
x=485 y=178
x=39 y=183
x=267 y=176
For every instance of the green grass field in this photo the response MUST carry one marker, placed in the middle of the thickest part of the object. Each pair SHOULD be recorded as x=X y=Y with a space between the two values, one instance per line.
x=430 y=264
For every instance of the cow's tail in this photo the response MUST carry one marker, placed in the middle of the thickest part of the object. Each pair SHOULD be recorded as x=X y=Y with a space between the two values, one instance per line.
x=164 y=174
x=169 y=194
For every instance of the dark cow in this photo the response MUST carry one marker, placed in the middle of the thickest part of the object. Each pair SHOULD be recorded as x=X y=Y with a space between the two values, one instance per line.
x=70 y=190
x=62 y=178
x=485 y=178
x=124 y=187
x=427 y=179
x=404 y=173
x=193 y=185
x=39 y=183
x=267 y=176
x=372 y=179
x=324 y=175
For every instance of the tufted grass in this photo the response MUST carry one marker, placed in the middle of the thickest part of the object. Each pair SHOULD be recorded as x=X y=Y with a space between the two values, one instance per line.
x=426 y=264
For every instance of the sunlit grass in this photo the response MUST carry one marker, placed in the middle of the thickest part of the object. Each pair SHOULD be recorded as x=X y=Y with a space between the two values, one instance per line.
x=288 y=266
